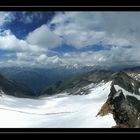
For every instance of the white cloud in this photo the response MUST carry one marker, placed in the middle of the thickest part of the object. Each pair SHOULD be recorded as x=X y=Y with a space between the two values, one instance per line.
x=87 y=28
x=43 y=37
x=55 y=60
x=38 y=59
x=41 y=58
x=30 y=52
x=80 y=29
x=104 y=59
x=29 y=17
x=8 y=41
x=118 y=29
x=5 y=17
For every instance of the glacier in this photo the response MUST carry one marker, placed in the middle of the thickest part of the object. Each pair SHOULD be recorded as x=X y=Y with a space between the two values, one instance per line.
x=58 y=111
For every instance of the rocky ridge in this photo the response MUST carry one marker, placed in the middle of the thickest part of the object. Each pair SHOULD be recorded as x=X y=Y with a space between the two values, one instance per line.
x=123 y=101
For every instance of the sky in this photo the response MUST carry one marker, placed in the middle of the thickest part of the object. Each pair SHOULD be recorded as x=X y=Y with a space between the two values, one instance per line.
x=99 y=39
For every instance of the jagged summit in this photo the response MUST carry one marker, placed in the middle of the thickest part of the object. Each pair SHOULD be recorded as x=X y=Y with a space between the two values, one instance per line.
x=123 y=101
x=125 y=81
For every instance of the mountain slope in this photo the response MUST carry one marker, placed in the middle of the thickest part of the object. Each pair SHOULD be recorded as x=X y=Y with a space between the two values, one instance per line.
x=79 y=84
x=127 y=82
x=58 y=111
x=123 y=101
x=103 y=93
x=38 y=78
x=11 y=87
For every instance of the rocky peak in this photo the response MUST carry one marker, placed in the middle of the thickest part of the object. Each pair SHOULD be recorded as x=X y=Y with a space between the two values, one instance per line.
x=124 y=108
x=126 y=82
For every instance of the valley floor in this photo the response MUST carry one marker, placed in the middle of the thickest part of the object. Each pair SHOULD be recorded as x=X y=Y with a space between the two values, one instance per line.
x=59 y=111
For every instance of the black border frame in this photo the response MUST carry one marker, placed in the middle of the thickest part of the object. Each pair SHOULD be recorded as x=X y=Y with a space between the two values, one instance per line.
x=69 y=8
x=38 y=7
x=70 y=2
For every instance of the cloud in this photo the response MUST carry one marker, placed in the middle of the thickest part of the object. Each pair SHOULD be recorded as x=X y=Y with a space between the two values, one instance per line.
x=118 y=29
x=28 y=17
x=81 y=29
x=48 y=60
x=44 y=37
x=42 y=58
x=8 y=41
x=5 y=17
x=32 y=50
x=38 y=59
x=116 y=57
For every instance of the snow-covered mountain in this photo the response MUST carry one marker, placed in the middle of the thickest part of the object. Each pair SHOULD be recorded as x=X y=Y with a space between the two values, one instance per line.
x=58 y=111
x=123 y=101
x=37 y=78
x=79 y=84
x=78 y=102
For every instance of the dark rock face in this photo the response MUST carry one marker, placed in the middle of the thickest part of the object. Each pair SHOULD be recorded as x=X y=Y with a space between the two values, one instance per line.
x=126 y=82
x=37 y=79
x=13 y=88
x=76 y=85
x=126 y=111
x=125 y=108
x=112 y=92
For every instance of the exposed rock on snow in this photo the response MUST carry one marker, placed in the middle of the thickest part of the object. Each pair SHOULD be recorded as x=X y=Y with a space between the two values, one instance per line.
x=123 y=101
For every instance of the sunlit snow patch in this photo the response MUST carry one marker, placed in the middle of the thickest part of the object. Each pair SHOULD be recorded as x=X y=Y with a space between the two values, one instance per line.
x=63 y=111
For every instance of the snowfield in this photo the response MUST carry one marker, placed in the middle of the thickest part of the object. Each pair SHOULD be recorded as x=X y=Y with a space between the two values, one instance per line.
x=59 y=111
x=125 y=93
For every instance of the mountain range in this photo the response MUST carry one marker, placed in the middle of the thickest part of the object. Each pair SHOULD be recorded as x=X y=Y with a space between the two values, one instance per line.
x=36 y=79
x=122 y=88
x=11 y=87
